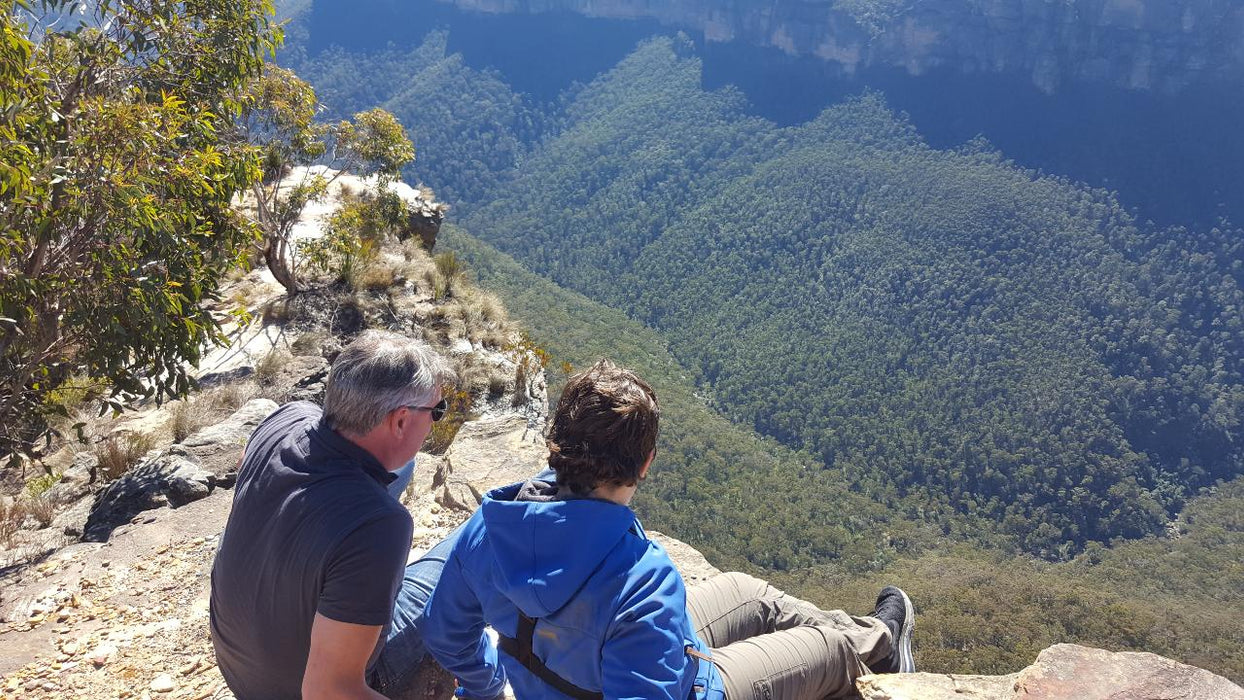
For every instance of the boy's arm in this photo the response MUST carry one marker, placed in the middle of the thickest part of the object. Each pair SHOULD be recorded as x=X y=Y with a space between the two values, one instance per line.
x=453 y=624
x=644 y=656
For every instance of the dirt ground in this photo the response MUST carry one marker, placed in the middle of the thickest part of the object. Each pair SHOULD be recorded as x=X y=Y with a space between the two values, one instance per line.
x=129 y=618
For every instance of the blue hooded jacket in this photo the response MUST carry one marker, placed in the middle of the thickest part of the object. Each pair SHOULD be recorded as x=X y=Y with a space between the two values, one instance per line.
x=611 y=607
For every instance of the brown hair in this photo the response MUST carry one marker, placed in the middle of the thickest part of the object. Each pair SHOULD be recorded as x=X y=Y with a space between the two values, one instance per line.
x=604 y=428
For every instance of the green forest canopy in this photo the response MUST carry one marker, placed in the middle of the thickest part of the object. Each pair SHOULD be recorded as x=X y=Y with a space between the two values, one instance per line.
x=749 y=503
x=939 y=324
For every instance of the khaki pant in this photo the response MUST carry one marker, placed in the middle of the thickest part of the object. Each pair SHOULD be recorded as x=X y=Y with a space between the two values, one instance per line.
x=772 y=646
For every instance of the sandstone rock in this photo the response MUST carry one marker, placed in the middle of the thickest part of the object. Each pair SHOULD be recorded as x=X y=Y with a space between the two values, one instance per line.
x=300 y=378
x=168 y=479
x=310 y=385
x=103 y=654
x=76 y=481
x=1064 y=672
x=1068 y=670
x=935 y=686
x=248 y=346
x=427 y=468
x=217 y=448
x=72 y=519
x=187 y=483
x=691 y=564
x=163 y=683
x=487 y=454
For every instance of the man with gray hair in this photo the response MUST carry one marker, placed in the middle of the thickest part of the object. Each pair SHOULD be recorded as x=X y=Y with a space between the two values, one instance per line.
x=311 y=593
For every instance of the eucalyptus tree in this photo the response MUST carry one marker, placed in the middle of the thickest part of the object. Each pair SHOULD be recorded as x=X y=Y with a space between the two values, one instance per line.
x=279 y=117
x=116 y=189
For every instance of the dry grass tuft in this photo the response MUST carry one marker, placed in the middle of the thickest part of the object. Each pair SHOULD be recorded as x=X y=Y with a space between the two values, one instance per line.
x=118 y=453
x=188 y=417
x=41 y=509
x=447 y=276
x=374 y=276
x=498 y=384
x=228 y=398
x=12 y=515
x=267 y=369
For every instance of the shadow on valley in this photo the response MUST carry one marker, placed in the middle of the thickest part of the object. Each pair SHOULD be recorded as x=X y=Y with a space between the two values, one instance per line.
x=1176 y=159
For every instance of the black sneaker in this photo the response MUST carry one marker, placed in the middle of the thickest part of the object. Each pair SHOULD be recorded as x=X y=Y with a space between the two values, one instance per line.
x=894 y=608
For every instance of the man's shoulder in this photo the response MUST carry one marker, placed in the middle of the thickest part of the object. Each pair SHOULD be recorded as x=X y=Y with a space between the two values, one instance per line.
x=284 y=421
x=292 y=413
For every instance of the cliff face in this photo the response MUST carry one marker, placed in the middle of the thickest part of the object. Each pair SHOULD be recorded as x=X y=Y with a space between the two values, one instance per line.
x=1163 y=45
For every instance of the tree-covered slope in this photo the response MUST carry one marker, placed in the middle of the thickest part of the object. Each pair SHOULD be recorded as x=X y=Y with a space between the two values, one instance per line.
x=742 y=500
x=746 y=501
x=986 y=612
x=949 y=333
x=469 y=127
x=930 y=322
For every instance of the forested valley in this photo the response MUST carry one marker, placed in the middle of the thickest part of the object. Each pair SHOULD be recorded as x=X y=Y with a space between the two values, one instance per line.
x=880 y=361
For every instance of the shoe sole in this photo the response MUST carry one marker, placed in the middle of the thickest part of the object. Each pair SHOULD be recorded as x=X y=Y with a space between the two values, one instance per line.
x=906 y=658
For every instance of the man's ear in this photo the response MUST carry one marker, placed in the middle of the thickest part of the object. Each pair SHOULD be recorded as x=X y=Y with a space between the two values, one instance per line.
x=398 y=421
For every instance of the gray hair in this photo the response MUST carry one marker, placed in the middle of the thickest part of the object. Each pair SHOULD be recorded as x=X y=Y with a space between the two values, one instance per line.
x=377 y=373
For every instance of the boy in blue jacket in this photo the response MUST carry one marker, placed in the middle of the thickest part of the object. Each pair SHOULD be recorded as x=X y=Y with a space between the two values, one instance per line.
x=588 y=607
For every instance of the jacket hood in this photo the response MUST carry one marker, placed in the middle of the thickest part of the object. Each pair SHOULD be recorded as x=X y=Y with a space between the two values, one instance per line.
x=545 y=550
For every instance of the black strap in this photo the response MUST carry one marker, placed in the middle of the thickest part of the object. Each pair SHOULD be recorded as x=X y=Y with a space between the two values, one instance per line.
x=520 y=649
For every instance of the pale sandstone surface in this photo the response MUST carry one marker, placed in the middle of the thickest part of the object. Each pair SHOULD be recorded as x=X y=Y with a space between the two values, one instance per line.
x=1064 y=672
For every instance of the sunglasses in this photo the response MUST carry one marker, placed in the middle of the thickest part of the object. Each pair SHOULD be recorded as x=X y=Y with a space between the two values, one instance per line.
x=438 y=411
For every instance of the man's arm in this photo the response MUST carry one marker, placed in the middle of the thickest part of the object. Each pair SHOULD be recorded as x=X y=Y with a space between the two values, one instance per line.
x=337 y=664
x=361 y=581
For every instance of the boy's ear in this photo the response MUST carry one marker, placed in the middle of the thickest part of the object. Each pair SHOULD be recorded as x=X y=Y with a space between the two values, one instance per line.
x=643 y=471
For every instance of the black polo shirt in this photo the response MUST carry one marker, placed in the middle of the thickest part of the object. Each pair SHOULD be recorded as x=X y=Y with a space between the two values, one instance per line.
x=312 y=530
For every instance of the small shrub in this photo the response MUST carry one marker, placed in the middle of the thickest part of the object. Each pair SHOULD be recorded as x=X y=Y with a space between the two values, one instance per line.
x=38 y=485
x=448 y=277
x=355 y=261
x=43 y=510
x=497 y=385
x=435 y=283
x=448 y=264
x=119 y=453
x=74 y=394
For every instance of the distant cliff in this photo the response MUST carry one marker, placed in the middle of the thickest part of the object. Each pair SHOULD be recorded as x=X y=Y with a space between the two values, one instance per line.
x=1162 y=45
